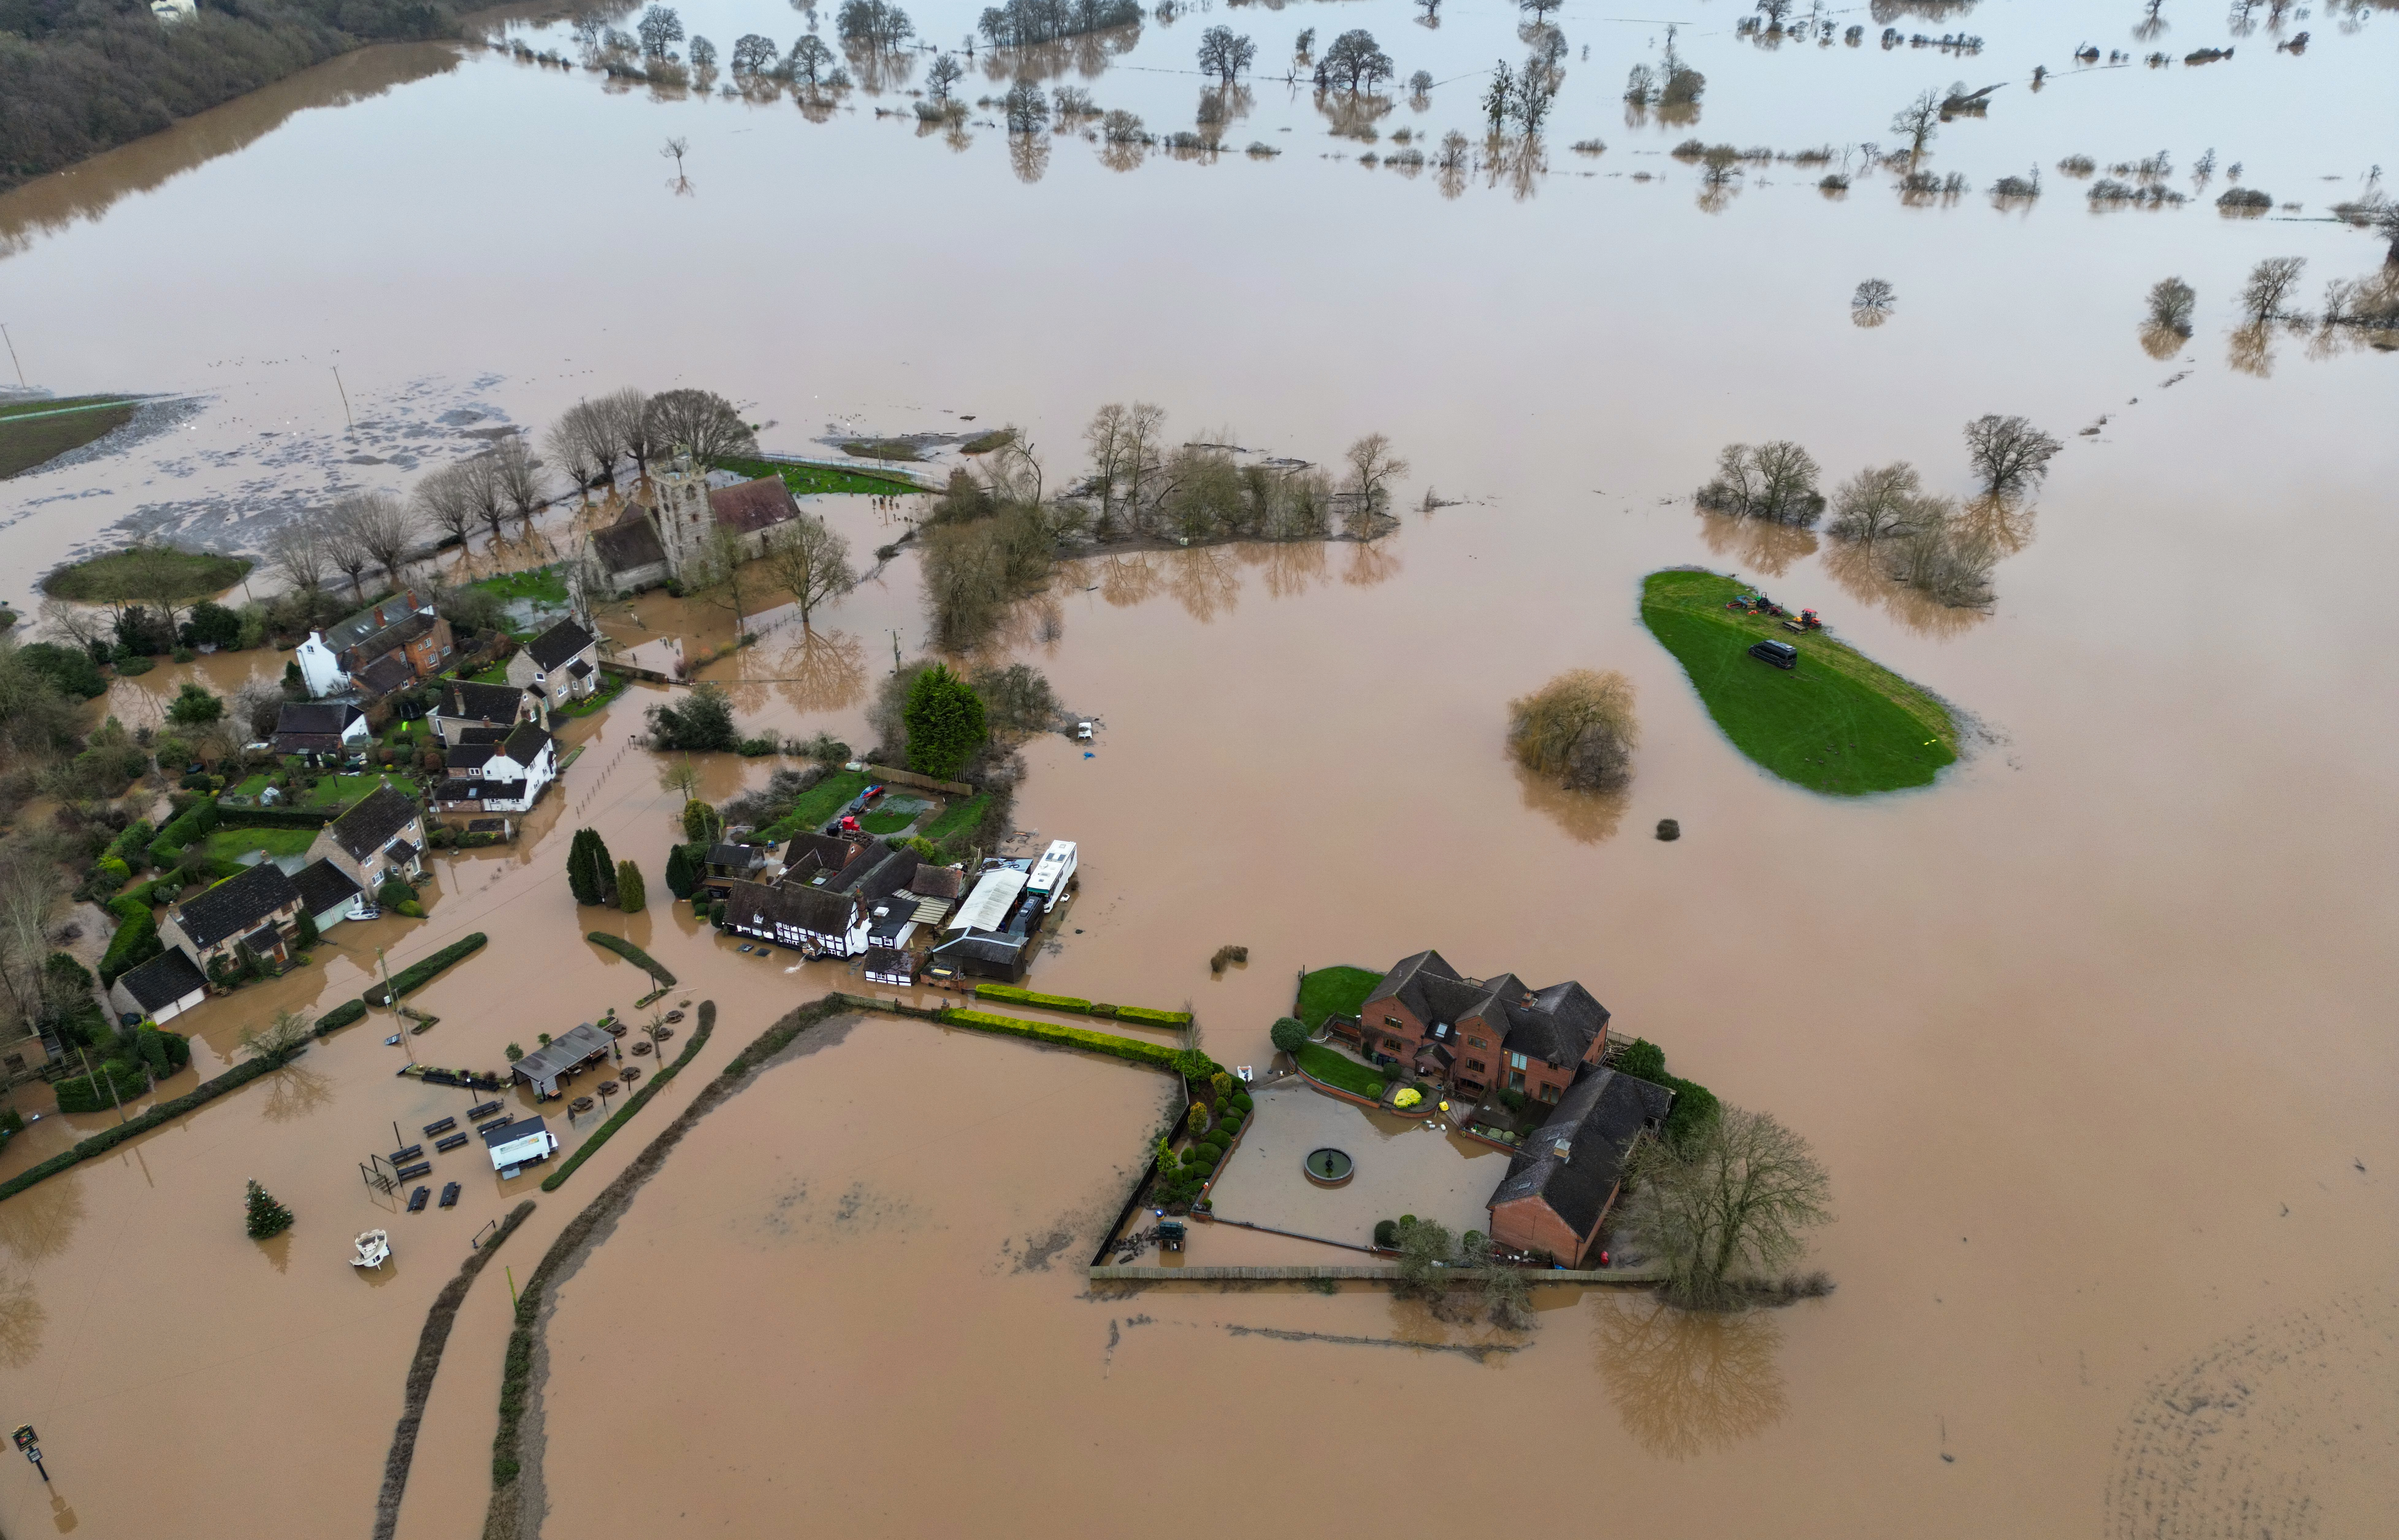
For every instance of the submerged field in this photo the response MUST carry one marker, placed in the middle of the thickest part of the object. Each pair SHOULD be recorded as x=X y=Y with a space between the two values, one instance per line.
x=1840 y=723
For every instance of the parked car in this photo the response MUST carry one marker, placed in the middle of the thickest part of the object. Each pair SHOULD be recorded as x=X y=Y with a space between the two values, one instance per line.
x=1781 y=653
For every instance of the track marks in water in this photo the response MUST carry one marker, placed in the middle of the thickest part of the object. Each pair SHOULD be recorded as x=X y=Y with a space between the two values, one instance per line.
x=1479 y=1352
x=2271 y=1432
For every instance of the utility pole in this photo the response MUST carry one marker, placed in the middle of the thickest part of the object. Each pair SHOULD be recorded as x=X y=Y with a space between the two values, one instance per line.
x=111 y=1086
x=346 y=399
x=21 y=385
x=895 y=652
x=392 y=1001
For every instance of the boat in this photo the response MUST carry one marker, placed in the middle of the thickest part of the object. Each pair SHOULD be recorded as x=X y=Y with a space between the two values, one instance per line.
x=372 y=1248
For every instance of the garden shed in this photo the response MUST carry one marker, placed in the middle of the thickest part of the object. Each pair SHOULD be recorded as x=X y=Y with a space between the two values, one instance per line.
x=562 y=1056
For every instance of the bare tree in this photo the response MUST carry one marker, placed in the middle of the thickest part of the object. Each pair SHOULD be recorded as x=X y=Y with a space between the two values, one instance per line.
x=1881 y=502
x=628 y=425
x=1224 y=53
x=564 y=445
x=944 y=75
x=2171 y=303
x=1775 y=482
x=1144 y=430
x=700 y=421
x=1726 y=1208
x=479 y=478
x=447 y=498
x=1944 y=560
x=383 y=524
x=811 y=562
x=30 y=885
x=2269 y=283
x=297 y=554
x=2008 y=452
x=1372 y=467
x=345 y=546
x=516 y=477
x=1918 y=123
x=1105 y=435
x=594 y=426
x=1577 y=729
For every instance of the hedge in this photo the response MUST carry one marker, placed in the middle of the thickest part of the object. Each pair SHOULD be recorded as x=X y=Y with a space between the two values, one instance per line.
x=1015 y=996
x=1154 y=1018
x=108 y=1138
x=1073 y=1037
x=136 y=940
x=90 y=1093
x=418 y=975
x=348 y=1013
x=632 y=954
x=278 y=817
x=649 y=1089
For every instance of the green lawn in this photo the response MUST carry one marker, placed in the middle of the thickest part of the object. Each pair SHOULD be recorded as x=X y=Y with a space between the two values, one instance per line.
x=1335 y=992
x=249 y=789
x=229 y=844
x=804 y=480
x=886 y=823
x=816 y=804
x=144 y=571
x=35 y=431
x=1839 y=724
x=956 y=818
x=611 y=686
x=545 y=585
x=1336 y=1069
x=340 y=791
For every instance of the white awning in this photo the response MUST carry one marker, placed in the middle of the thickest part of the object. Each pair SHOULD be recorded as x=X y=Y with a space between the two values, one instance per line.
x=990 y=901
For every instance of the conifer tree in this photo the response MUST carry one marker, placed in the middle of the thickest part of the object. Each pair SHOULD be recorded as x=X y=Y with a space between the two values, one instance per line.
x=683 y=871
x=267 y=1216
x=629 y=895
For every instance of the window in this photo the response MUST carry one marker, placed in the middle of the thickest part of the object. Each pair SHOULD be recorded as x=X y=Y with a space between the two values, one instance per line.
x=1393 y=1022
x=1550 y=1091
x=1476 y=1043
x=1475 y=1065
x=1396 y=1045
x=1515 y=1060
x=1516 y=1081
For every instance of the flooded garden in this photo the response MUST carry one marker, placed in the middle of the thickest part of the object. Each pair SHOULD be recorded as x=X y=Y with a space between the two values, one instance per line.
x=2084 y=1018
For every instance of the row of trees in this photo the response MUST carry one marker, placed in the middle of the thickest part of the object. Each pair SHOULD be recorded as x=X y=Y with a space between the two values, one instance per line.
x=1030 y=23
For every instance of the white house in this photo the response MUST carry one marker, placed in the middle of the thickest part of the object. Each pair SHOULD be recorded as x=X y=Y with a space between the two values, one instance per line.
x=383 y=647
x=498 y=778
x=465 y=706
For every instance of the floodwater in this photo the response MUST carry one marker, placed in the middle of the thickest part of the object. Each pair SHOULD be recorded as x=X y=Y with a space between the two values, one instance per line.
x=2092 y=1035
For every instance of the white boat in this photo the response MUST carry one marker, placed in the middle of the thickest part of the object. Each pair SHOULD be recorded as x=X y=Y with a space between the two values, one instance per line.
x=374 y=1248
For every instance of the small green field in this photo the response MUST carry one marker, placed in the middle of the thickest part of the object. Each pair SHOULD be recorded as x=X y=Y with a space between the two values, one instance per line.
x=145 y=575
x=1336 y=1069
x=1839 y=724
x=340 y=791
x=542 y=584
x=956 y=819
x=816 y=804
x=34 y=431
x=1335 y=992
x=804 y=480
x=231 y=845
x=887 y=823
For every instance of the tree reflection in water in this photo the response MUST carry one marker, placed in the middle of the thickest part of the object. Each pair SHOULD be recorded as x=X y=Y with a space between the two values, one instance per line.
x=1769 y=547
x=1856 y=566
x=2250 y=350
x=294 y=1091
x=1127 y=580
x=1370 y=562
x=39 y=1221
x=822 y=671
x=1685 y=1383
x=1206 y=582
x=1586 y=818
x=1292 y=566
x=22 y=1320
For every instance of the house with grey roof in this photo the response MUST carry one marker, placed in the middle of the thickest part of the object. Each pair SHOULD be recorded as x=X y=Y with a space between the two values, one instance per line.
x=813 y=920
x=464 y=705
x=248 y=909
x=391 y=642
x=506 y=777
x=1478 y=1035
x=326 y=893
x=333 y=727
x=1567 y=1179
x=381 y=836
x=161 y=989
x=685 y=508
x=562 y=664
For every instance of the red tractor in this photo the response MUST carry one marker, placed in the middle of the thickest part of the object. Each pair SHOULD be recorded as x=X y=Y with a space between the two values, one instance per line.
x=1805 y=621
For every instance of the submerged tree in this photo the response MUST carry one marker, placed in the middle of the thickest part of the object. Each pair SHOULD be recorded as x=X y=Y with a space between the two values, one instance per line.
x=811 y=562
x=1775 y=482
x=2269 y=283
x=1884 y=502
x=631 y=896
x=1577 y=729
x=702 y=722
x=2008 y=452
x=1918 y=123
x=1225 y=54
x=1728 y=1206
x=2171 y=303
x=1355 y=62
x=264 y=1217
x=702 y=421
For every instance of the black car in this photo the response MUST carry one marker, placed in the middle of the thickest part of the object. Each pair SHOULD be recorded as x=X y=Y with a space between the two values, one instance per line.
x=1781 y=653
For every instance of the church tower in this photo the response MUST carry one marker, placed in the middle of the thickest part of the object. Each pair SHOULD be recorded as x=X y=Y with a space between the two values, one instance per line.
x=682 y=514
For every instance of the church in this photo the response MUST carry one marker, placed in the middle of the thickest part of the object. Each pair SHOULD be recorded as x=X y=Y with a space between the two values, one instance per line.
x=666 y=527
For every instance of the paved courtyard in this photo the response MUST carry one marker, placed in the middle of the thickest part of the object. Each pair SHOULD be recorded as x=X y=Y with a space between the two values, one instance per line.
x=1404 y=1167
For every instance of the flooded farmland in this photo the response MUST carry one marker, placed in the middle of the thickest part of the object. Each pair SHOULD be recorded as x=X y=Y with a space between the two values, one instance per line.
x=2092 y=1035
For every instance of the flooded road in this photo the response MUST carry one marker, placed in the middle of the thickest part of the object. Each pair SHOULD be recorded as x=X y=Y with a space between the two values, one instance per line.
x=2092 y=1036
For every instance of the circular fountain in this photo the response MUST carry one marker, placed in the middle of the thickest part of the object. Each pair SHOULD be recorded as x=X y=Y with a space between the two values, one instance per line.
x=1329 y=1168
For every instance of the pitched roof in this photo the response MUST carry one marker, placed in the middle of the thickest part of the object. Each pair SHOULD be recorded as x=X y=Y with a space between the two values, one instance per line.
x=472 y=788
x=164 y=980
x=352 y=629
x=741 y=857
x=1558 y=1026
x=322 y=885
x=526 y=743
x=990 y=946
x=366 y=828
x=313 y=717
x=629 y=543
x=1596 y=1120
x=752 y=505
x=569 y=1049
x=493 y=703
x=1407 y=979
x=236 y=905
x=469 y=756
x=399 y=633
x=484 y=737
x=496 y=1134
x=937 y=882
x=758 y=907
x=810 y=853
x=872 y=879
x=558 y=646
x=384 y=675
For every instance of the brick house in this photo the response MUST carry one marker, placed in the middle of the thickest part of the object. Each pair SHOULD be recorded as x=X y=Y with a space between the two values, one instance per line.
x=562 y=664
x=464 y=704
x=399 y=633
x=249 y=910
x=380 y=837
x=1563 y=1184
x=1481 y=1035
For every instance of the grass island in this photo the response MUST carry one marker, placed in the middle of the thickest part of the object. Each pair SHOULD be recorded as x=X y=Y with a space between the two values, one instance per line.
x=146 y=573
x=1840 y=723
x=37 y=429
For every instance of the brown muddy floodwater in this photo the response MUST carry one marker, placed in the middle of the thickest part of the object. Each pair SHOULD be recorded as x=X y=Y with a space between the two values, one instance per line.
x=2093 y=1035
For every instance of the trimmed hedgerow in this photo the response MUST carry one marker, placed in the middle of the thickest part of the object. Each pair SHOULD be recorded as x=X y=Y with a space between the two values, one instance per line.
x=1015 y=996
x=415 y=977
x=1154 y=1018
x=136 y=940
x=632 y=954
x=348 y=1013
x=1072 y=1037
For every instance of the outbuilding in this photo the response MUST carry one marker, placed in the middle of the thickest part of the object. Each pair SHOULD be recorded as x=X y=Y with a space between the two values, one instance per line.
x=562 y=1056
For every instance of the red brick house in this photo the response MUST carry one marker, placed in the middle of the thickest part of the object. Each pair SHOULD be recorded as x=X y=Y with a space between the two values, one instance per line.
x=1563 y=1184
x=1480 y=1035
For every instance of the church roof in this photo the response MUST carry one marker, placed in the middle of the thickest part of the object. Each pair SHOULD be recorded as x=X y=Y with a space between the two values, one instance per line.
x=754 y=506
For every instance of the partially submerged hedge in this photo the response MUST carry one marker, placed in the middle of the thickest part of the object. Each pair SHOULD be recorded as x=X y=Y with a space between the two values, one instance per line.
x=1154 y=1018
x=1071 y=1037
x=108 y=1138
x=632 y=954
x=633 y=1103
x=1015 y=996
x=136 y=940
x=418 y=975
x=348 y=1013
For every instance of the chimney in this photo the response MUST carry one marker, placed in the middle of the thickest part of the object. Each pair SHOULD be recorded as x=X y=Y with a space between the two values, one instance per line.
x=1563 y=1148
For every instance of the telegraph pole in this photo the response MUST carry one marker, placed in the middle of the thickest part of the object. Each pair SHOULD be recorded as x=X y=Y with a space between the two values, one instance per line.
x=392 y=1001
x=21 y=385
x=346 y=399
